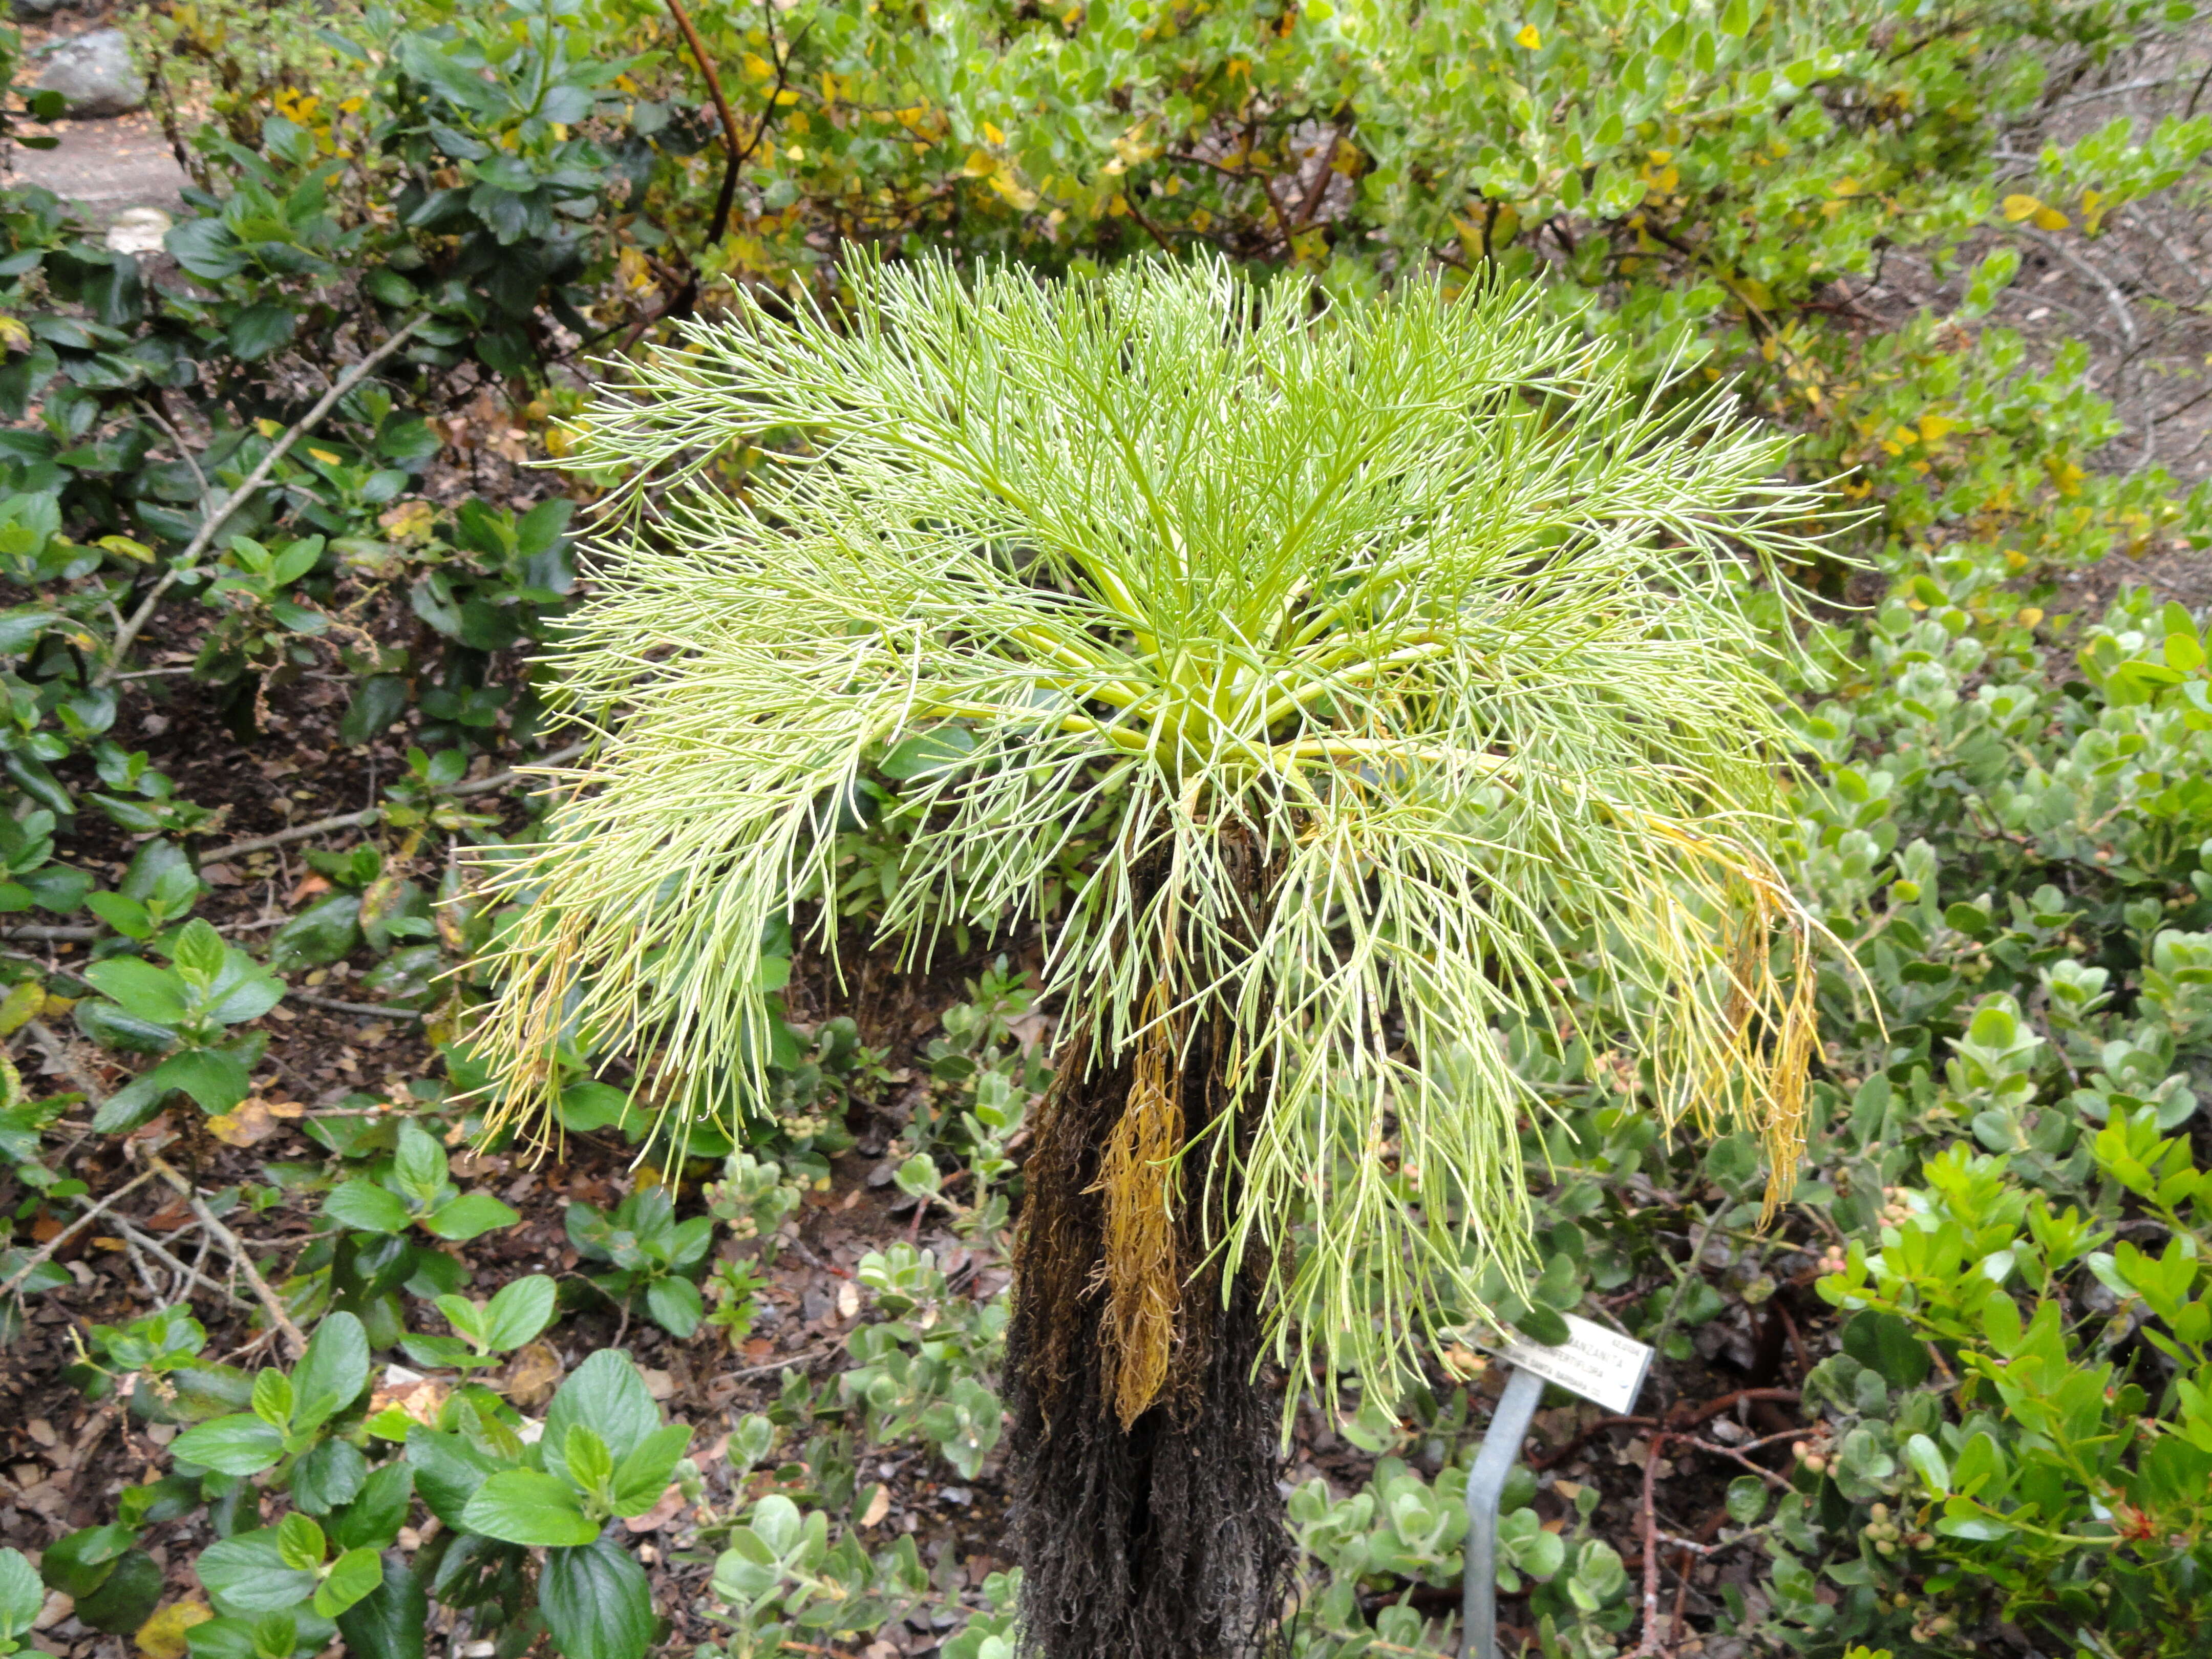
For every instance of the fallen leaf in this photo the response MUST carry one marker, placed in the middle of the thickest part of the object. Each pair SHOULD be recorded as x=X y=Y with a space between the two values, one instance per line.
x=41 y=1430
x=163 y=1636
x=879 y=1506
x=170 y=1217
x=659 y=1384
x=848 y=1299
x=420 y=1397
x=532 y=1376
x=55 y=1607
x=659 y=1515
x=309 y=885
x=248 y=1126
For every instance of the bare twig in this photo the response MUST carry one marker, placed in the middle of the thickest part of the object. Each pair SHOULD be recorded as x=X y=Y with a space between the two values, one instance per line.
x=183 y=449
x=219 y=515
x=337 y=1006
x=44 y=1253
x=65 y=1057
x=1718 y=1450
x=1648 y=1531
x=731 y=158
x=269 y=1302
x=2123 y=313
x=190 y=1273
x=362 y=819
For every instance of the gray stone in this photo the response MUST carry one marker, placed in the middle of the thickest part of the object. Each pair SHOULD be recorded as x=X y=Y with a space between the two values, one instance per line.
x=138 y=230
x=94 y=73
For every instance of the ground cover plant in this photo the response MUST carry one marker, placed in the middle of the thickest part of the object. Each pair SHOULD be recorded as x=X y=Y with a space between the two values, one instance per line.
x=288 y=1339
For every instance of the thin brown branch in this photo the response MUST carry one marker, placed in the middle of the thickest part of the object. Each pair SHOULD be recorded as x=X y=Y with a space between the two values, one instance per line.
x=730 y=161
x=45 y=1253
x=361 y=819
x=373 y=1010
x=271 y=1303
x=220 y=515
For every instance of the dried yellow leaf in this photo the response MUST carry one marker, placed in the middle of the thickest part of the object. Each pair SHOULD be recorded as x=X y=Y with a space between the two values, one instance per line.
x=163 y=1636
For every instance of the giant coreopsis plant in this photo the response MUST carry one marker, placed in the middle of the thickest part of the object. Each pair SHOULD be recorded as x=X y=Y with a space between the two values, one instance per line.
x=1403 y=646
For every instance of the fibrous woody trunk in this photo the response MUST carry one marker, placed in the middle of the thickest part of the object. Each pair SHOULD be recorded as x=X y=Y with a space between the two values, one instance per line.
x=1146 y=1516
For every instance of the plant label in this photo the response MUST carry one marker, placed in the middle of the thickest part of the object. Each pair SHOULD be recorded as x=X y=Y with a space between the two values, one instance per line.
x=1597 y=1364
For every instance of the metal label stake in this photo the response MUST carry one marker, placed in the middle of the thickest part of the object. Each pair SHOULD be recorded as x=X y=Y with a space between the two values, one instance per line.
x=1599 y=1365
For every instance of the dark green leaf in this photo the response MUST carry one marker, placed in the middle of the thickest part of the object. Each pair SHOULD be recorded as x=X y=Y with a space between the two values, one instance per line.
x=334 y=1372
x=469 y=1215
x=675 y=1305
x=257 y=331
x=321 y=933
x=331 y=1474
x=373 y=1520
x=125 y=1597
x=239 y=1445
x=367 y=1207
x=1885 y=1344
x=245 y=1575
x=447 y=1471
x=597 y=1603
x=391 y=1621
x=520 y=1310
x=78 y=1564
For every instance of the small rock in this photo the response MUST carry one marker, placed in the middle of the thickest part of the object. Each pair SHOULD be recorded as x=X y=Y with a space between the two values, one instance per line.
x=28 y=11
x=94 y=74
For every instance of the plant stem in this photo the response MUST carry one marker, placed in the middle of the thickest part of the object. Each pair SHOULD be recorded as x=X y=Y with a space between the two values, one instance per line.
x=369 y=814
x=46 y=1252
x=732 y=157
x=220 y=514
x=270 y=1303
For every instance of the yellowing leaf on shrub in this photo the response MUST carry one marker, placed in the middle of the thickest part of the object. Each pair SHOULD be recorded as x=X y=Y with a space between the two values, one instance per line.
x=163 y=1636
x=2051 y=218
x=992 y=135
x=2093 y=210
x=2017 y=208
x=1528 y=37
x=127 y=548
x=1934 y=428
x=22 y=1005
x=12 y=331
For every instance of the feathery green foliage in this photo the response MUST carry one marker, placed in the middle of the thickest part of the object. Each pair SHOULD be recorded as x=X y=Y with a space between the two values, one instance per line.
x=1420 y=596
